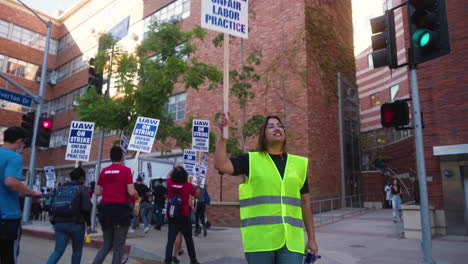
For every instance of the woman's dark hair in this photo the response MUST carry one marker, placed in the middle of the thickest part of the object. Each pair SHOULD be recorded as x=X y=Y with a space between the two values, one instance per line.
x=77 y=173
x=179 y=175
x=116 y=154
x=262 y=142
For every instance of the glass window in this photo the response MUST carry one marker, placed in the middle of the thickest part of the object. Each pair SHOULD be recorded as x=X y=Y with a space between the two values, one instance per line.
x=31 y=39
x=2 y=59
x=176 y=106
x=370 y=62
x=21 y=68
x=375 y=99
x=179 y=9
x=59 y=138
x=387 y=5
x=394 y=92
x=4 y=28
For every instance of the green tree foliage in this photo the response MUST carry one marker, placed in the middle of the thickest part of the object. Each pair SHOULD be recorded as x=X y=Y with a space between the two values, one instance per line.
x=145 y=80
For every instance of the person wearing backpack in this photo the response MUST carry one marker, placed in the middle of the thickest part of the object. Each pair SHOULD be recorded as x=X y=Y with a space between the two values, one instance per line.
x=178 y=213
x=71 y=215
x=115 y=185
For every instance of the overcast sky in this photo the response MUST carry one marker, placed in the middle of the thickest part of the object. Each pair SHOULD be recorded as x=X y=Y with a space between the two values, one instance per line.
x=363 y=11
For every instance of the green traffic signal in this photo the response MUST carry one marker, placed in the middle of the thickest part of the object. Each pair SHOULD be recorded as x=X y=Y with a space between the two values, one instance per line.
x=421 y=37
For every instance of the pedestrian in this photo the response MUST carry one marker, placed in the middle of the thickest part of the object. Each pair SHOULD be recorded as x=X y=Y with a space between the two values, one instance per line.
x=115 y=185
x=11 y=172
x=396 y=201
x=200 y=212
x=72 y=226
x=145 y=206
x=159 y=193
x=388 y=194
x=274 y=199
x=177 y=185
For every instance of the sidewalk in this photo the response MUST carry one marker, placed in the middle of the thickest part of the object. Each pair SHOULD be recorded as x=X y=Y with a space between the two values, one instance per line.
x=369 y=237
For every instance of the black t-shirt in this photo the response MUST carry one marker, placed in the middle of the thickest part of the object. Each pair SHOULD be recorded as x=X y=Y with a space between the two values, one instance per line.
x=241 y=166
x=142 y=191
x=160 y=195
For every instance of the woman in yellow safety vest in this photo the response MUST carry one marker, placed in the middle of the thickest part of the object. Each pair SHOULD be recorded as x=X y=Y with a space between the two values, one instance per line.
x=274 y=199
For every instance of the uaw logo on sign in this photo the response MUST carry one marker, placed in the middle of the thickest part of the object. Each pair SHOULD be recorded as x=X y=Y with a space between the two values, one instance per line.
x=143 y=134
x=200 y=135
x=79 y=141
x=189 y=160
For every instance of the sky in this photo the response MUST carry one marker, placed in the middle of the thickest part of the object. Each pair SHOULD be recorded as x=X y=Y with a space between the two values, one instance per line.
x=363 y=11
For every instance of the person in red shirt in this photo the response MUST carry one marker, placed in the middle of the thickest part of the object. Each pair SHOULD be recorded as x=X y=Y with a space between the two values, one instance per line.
x=177 y=185
x=115 y=184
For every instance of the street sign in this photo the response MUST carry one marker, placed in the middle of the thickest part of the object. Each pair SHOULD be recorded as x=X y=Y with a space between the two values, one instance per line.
x=15 y=98
x=230 y=17
x=200 y=135
x=143 y=134
x=189 y=161
x=79 y=141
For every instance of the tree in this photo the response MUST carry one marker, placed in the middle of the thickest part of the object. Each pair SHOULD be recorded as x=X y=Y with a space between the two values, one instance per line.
x=145 y=80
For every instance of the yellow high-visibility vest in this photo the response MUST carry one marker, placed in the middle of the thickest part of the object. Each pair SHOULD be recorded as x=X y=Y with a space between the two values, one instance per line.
x=270 y=207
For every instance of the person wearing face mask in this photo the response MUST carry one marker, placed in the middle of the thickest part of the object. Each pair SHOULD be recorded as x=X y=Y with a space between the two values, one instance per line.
x=11 y=172
x=274 y=199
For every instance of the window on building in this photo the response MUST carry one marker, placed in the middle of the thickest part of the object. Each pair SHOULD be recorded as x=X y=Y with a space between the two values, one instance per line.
x=176 y=106
x=387 y=5
x=394 y=92
x=21 y=68
x=177 y=10
x=70 y=68
x=32 y=39
x=65 y=102
x=2 y=60
x=370 y=62
x=65 y=42
x=4 y=28
x=375 y=99
x=59 y=138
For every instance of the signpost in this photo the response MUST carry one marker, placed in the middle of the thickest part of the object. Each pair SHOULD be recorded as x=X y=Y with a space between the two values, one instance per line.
x=228 y=17
x=200 y=171
x=79 y=141
x=200 y=135
x=15 y=98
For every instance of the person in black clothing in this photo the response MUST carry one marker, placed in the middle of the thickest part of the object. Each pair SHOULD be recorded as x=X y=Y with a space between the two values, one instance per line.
x=145 y=205
x=72 y=227
x=159 y=193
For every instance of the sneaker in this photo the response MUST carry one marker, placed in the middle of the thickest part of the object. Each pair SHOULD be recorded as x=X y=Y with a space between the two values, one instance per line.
x=146 y=229
x=131 y=230
x=175 y=260
x=180 y=252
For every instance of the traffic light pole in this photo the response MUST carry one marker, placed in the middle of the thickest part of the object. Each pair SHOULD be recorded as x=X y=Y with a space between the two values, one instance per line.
x=426 y=242
x=32 y=160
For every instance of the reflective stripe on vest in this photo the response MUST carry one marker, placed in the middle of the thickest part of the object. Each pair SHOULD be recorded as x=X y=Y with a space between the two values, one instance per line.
x=271 y=212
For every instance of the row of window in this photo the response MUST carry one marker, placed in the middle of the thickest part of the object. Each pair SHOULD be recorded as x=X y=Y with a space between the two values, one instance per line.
x=65 y=102
x=375 y=99
x=179 y=9
x=27 y=37
x=18 y=68
x=72 y=67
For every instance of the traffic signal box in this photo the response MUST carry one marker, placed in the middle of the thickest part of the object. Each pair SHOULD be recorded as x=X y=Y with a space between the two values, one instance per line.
x=95 y=77
x=44 y=132
x=395 y=114
x=28 y=126
x=428 y=29
x=383 y=41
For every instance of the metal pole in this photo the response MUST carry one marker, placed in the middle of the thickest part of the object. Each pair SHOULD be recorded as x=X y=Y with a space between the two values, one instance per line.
x=32 y=161
x=96 y=177
x=426 y=242
x=340 y=133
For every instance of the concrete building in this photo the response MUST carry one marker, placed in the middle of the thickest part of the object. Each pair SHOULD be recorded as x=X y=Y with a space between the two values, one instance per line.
x=443 y=95
x=294 y=84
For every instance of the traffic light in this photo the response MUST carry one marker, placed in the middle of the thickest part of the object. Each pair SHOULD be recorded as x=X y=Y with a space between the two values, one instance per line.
x=395 y=114
x=95 y=77
x=383 y=41
x=28 y=126
x=44 y=132
x=428 y=29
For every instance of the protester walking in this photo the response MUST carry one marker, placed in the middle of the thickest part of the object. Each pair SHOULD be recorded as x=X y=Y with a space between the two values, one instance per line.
x=115 y=184
x=200 y=212
x=159 y=193
x=178 y=213
x=71 y=222
x=388 y=195
x=274 y=199
x=145 y=206
x=11 y=172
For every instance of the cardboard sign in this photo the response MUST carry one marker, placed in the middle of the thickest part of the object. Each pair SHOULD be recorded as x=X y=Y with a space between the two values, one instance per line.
x=200 y=135
x=143 y=134
x=79 y=141
x=230 y=17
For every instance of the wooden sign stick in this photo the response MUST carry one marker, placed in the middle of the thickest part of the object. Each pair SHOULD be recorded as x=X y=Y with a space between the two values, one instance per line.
x=226 y=83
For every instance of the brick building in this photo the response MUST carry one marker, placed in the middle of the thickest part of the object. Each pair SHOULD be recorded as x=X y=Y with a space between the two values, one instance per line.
x=443 y=98
x=292 y=83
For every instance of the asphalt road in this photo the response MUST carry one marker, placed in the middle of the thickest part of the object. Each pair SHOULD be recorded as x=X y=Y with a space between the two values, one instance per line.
x=36 y=250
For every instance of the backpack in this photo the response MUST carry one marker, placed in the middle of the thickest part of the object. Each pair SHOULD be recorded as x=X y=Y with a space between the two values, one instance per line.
x=174 y=207
x=66 y=201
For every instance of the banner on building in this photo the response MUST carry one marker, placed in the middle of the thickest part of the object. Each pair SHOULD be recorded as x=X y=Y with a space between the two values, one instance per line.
x=200 y=135
x=144 y=134
x=79 y=141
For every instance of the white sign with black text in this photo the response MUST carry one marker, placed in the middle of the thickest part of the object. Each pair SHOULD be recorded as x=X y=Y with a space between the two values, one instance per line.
x=79 y=141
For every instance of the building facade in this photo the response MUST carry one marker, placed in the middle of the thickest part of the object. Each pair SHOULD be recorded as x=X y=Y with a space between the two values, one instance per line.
x=292 y=85
x=443 y=96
